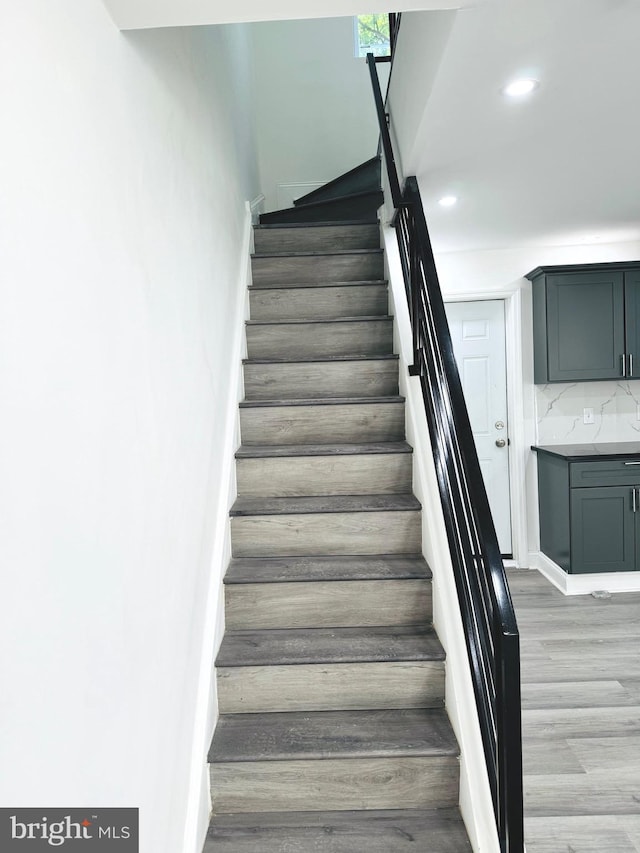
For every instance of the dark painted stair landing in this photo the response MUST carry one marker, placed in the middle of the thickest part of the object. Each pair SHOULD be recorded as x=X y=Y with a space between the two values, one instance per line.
x=332 y=736
x=352 y=197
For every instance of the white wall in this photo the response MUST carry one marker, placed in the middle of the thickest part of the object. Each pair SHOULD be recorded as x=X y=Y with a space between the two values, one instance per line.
x=422 y=39
x=314 y=105
x=125 y=162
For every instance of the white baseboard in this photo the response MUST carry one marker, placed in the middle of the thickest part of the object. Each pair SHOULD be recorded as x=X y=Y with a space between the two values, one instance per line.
x=256 y=207
x=583 y=584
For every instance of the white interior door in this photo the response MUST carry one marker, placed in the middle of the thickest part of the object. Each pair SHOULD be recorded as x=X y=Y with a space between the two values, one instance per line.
x=478 y=333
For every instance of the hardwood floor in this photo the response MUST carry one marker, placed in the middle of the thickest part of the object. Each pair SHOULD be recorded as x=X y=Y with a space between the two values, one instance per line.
x=581 y=718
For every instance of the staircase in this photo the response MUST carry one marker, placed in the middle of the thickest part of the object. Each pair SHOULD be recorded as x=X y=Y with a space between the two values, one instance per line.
x=332 y=736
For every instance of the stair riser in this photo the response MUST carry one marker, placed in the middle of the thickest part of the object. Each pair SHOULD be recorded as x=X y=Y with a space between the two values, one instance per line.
x=306 y=340
x=319 y=303
x=334 y=424
x=328 y=604
x=341 y=784
x=320 y=238
x=331 y=687
x=384 y=473
x=321 y=533
x=375 y=378
x=317 y=268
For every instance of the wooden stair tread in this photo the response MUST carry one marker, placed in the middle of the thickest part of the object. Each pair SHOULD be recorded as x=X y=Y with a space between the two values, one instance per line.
x=332 y=734
x=321 y=359
x=347 y=223
x=315 y=254
x=320 y=401
x=290 y=646
x=316 y=236
x=359 y=319
x=323 y=504
x=275 y=451
x=391 y=831
x=309 y=285
x=250 y=570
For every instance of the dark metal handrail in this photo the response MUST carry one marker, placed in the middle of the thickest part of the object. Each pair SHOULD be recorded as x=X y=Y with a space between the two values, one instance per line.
x=394 y=26
x=488 y=617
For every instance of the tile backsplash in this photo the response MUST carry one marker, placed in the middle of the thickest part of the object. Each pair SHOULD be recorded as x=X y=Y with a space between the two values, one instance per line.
x=559 y=412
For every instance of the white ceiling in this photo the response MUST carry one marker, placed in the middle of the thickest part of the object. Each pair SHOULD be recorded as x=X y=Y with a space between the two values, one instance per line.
x=559 y=167
x=142 y=14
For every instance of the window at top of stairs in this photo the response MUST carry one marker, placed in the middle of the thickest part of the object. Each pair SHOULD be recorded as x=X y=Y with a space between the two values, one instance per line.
x=372 y=35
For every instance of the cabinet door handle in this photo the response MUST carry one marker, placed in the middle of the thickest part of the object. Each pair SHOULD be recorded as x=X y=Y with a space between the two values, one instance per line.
x=632 y=463
x=623 y=359
x=630 y=364
x=634 y=504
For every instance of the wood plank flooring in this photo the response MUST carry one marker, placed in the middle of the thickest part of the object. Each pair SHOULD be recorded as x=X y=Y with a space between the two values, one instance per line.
x=581 y=718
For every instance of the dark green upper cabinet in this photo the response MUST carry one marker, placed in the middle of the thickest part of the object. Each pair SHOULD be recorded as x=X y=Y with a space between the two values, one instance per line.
x=632 y=321
x=586 y=322
x=585 y=326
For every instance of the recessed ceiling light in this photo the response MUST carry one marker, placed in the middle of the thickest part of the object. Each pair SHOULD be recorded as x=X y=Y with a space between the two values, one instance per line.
x=518 y=88
x=447 y=200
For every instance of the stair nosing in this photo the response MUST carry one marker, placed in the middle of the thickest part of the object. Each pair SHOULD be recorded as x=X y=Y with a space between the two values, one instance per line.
x=335 y=223
x=316 y=285
x=294 y=816
x=362 y=319
x=425 y=720
x=319 y=819
x=319 y=359
x=394 y=399
x=338 y=450
x=390 y=649
x=307 y=569
x=249 y=507
x=437 y=829
x=314 y=253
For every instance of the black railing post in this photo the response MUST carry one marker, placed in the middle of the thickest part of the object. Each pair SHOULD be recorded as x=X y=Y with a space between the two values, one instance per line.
x=394 y=184
x=510 y=738
x=394 y=25
x=415 y=368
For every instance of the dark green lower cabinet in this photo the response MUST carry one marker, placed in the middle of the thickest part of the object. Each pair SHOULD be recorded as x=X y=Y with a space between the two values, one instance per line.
x=604 y=532
x=590 y=511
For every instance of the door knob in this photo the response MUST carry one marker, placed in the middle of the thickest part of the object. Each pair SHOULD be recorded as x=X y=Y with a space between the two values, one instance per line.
x=500 y=442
